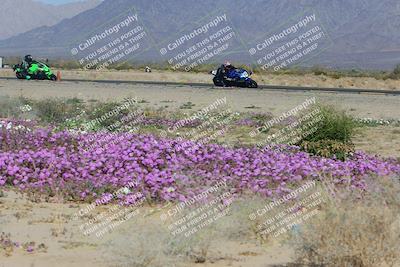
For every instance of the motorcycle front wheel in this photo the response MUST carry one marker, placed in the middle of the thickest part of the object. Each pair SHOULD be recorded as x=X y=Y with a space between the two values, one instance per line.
x=253 y=84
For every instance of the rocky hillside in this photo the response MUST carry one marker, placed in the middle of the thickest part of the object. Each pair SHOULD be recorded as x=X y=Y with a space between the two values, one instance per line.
x=362 y=34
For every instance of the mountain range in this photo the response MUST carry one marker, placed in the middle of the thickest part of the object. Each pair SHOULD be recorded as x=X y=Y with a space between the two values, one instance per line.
x=361 y=33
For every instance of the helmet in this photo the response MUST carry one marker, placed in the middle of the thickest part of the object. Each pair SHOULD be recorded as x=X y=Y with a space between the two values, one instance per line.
x=28 y=58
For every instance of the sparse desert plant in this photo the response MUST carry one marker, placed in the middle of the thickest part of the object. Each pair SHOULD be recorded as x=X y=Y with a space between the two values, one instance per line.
x=65 y=64
x=51 y=111
x=328 y=149
x=252 y=107
x=374 y=122
x=144 y=248
x=336 y=75
x=155 y=246
x=333 y=135
x=236 y=225
x=10 y=107
x=101 y=110
x=194 y=248
x=319 y=70
x=334 y=125
x=57 y=110
x=187 y=105
x=158 y=245
x=7 y=246
x=396 y=73
x=122 y=66
x=143 y=101
x=353 y=230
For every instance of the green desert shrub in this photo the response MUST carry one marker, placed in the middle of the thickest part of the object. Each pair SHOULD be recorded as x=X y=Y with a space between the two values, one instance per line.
x=105 y=115
x=333 y=134
x=335 y=125
x=57 y=110
x=51 y=110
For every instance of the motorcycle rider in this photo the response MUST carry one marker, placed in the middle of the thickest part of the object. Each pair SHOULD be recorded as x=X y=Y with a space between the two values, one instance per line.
x=225 y=71
x=25 y=65
x=26 y=62
x=228 y=66
x=229 y=69
x=30 y=66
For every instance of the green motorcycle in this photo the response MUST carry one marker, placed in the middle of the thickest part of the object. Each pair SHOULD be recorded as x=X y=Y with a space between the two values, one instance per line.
x=36 y=71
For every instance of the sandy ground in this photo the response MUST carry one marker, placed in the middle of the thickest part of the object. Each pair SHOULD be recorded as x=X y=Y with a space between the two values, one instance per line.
x=267 y=79
x=65 y=245
x=382 y=140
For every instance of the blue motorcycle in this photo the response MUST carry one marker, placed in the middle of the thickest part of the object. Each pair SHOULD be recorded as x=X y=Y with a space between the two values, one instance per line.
x=233 y=78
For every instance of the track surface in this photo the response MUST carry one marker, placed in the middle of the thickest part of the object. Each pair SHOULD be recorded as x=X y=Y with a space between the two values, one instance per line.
x=174 y=96
x=261 y=87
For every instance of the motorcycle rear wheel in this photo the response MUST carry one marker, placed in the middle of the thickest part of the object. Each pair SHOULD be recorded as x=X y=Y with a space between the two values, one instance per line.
x=218 y=82
x=20 y=76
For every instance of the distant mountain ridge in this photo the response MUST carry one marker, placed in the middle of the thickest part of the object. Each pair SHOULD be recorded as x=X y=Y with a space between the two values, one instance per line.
x=19 y=16
x=364 y=33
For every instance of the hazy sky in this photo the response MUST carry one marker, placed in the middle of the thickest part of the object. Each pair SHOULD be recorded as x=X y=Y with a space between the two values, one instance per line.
x=56 y=2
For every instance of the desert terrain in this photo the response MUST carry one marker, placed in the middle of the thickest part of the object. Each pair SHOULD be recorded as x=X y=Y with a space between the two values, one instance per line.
x=199 y=133
x=56 y=236
x=307 y=80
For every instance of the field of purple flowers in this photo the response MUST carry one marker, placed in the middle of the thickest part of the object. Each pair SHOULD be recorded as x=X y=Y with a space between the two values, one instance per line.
x=39 y=160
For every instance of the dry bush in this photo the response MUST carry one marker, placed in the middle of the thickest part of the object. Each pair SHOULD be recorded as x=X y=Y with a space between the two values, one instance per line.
x=354 y=230
x=149 y=243
x=139 y=248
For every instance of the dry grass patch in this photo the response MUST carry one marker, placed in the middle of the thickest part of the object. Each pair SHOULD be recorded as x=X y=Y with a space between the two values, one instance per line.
x=354 y=229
